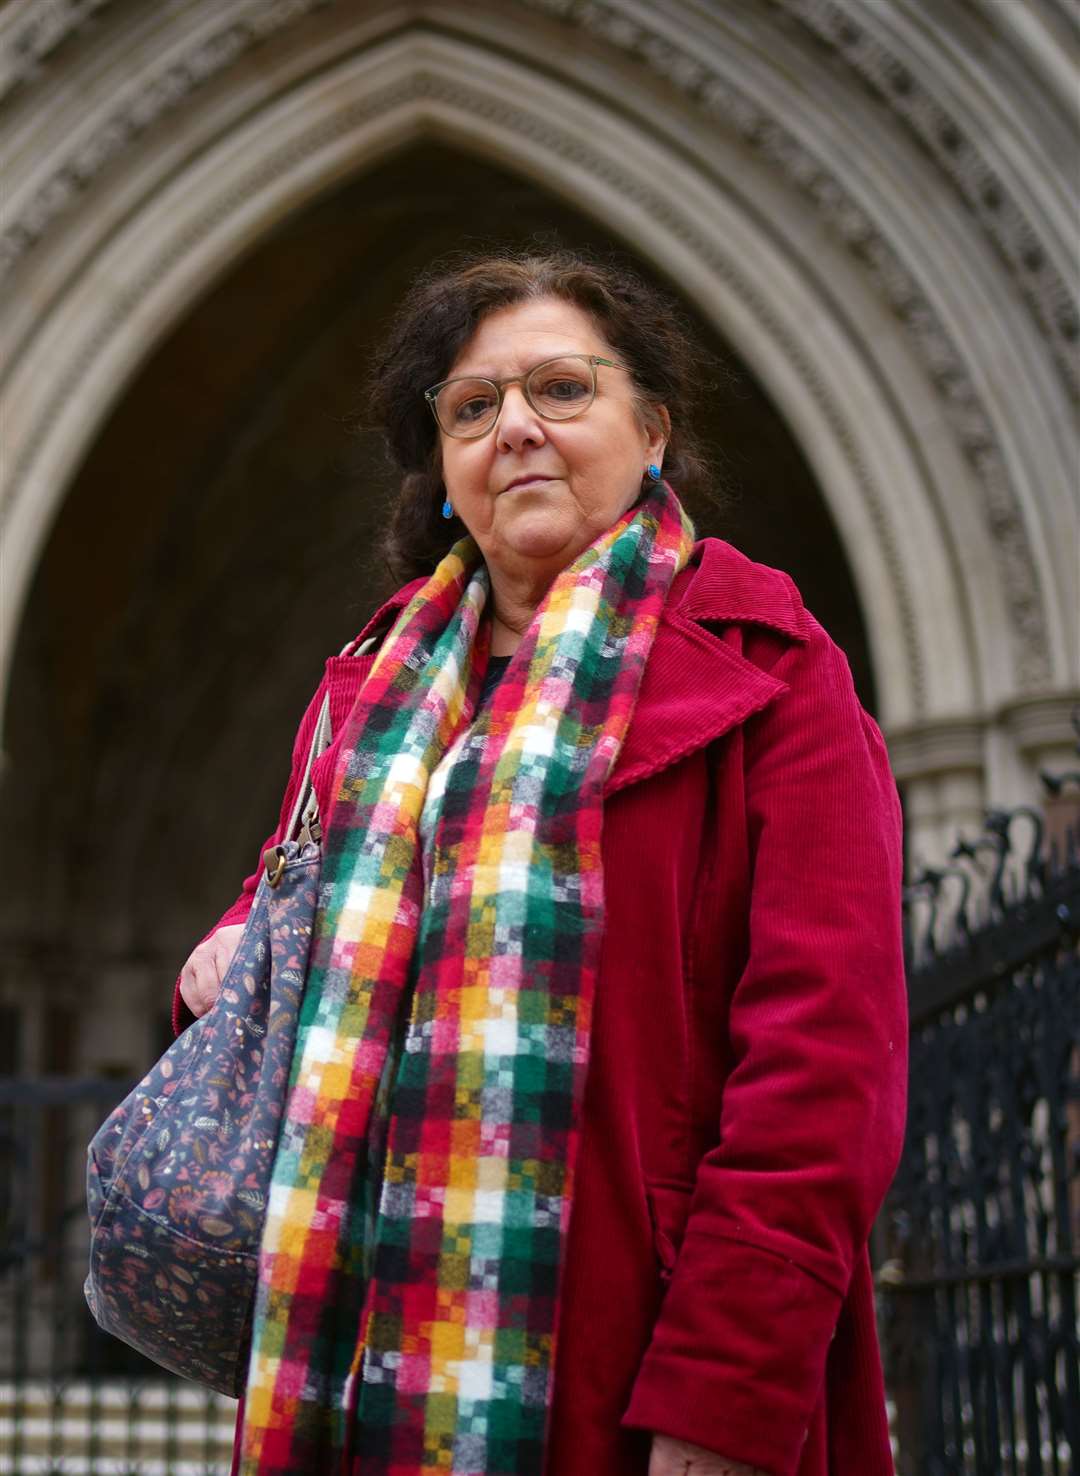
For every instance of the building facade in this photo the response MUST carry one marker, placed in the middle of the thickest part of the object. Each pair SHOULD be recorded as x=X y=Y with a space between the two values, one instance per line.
x=865 y=206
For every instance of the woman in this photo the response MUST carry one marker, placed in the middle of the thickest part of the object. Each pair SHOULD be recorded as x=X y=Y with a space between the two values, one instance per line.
x=611 y=1016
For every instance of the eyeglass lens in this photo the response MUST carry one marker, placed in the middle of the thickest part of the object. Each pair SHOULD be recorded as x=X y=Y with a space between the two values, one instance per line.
x=557 y=389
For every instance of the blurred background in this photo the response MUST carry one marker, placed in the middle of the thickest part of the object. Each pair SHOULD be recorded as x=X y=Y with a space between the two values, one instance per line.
x=867 y=210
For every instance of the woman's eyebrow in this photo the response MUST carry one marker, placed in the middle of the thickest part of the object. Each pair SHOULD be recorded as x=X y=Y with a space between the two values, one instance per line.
x=488 y=373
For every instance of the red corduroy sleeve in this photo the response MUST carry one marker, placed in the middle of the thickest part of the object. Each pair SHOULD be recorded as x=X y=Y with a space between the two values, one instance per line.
x=812 y=1114
x=239 y=910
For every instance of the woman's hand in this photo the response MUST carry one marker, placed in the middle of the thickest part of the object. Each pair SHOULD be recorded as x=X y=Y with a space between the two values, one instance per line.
x=201 y=976
x=679 y=1458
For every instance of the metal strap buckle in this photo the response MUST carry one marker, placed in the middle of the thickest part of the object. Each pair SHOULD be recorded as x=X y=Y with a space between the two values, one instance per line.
x=274 y=861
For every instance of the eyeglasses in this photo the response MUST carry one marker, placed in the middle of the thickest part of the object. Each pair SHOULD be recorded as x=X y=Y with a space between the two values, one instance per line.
x=557 y=389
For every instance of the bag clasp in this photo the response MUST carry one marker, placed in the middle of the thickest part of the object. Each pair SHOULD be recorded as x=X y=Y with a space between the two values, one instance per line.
x=274 y=861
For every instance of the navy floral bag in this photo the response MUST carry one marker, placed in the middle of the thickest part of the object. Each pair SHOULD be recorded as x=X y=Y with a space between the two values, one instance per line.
x=178 y=1174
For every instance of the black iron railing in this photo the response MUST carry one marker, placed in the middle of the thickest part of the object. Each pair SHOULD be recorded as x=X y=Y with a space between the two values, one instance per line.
x=979 y=1286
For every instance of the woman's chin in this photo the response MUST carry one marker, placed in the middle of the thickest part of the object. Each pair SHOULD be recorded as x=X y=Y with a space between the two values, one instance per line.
x=540 y=535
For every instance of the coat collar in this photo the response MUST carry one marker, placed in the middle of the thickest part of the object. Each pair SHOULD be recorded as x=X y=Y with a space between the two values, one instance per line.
x=721 y=584
x=696 y=687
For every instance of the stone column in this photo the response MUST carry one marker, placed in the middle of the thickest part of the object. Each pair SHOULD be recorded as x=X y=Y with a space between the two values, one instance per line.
x=1045 y=733
x=939 y=768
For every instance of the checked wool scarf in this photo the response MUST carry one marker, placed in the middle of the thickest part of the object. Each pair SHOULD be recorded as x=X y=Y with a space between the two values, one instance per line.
x=409 y=1273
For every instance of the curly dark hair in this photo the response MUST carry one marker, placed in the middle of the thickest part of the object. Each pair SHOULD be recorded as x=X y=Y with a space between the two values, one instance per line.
x=437 y=318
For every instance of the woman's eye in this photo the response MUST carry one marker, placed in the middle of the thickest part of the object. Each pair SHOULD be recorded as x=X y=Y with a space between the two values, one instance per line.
x=474 y=409
x=562 y=389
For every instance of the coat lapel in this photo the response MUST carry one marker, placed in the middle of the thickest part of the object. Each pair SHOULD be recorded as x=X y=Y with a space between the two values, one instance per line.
x=696 y=687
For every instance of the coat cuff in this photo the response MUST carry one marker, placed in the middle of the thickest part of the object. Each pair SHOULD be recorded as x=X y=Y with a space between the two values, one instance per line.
x=737 y=1358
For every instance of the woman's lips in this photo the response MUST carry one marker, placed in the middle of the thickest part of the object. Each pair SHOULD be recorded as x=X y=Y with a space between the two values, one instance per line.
x=526 y=482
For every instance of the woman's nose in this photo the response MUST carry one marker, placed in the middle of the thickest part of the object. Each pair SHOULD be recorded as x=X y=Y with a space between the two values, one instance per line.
x=518 y=424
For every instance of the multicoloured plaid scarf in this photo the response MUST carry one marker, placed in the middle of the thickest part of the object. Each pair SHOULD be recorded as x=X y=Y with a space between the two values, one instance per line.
x=421 y=1193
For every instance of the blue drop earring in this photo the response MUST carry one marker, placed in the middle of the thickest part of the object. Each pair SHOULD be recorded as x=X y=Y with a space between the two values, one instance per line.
x=652 y=471
x=447 y=510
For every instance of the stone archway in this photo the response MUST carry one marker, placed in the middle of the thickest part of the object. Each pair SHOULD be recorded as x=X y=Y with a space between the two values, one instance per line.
x=844 y=234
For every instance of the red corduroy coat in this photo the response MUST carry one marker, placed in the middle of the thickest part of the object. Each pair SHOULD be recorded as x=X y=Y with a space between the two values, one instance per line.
x=744 y=1106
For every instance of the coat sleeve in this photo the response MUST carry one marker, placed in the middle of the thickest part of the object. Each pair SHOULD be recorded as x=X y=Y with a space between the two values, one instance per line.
x=812 y=1112
x=238 y=911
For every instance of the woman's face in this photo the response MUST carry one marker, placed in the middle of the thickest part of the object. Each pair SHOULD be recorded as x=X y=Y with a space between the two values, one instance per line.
x=534 y=493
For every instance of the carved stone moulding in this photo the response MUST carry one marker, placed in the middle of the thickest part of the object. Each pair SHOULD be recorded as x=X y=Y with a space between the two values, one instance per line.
x=35 y=32
x=1042 y=722
x=944 y=747
x=157 y=96
x=807 y=171
x=847 y=31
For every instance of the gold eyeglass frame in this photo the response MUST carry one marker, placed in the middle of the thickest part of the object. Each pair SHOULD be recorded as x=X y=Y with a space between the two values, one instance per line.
x=499 y=385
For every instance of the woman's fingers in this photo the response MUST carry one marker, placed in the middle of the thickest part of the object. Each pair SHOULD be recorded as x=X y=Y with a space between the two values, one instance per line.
x=671 y=1457
x=201 y=976
x=198 y=983
x=191 y=991
x=224 y=948
x=662 y=1462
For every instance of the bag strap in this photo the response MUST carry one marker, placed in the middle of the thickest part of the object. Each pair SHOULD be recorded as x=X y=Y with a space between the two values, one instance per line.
x=306 y=808
x=305 y=812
